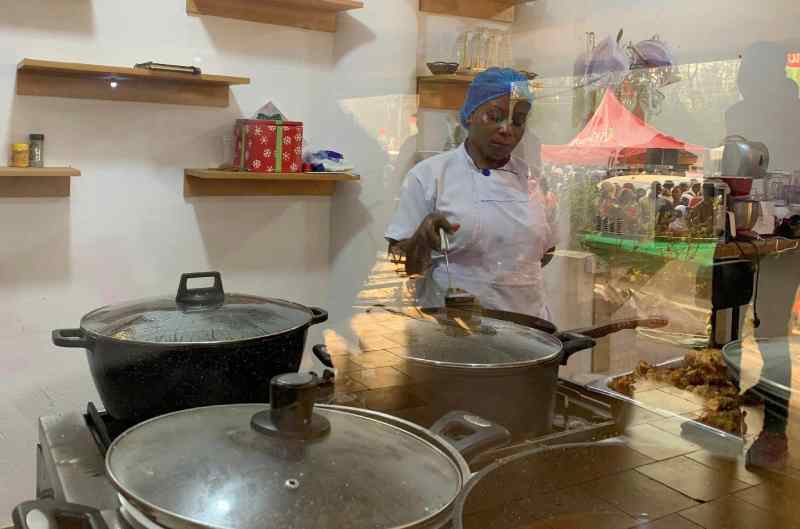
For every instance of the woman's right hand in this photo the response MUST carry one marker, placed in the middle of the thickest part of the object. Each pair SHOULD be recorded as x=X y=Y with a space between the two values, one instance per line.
x=427 y=235
x=416 y=250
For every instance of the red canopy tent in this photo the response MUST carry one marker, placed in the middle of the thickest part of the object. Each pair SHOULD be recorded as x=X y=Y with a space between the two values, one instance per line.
x=612 y=133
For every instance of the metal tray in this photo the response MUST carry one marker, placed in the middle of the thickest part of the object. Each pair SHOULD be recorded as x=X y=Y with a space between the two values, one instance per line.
x=713 y=439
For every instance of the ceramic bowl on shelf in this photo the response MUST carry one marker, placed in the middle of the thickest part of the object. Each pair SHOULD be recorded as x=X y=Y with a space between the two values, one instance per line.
x=442 y=68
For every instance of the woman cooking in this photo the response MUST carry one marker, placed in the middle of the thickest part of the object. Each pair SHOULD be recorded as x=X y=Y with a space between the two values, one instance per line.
x=497 y=229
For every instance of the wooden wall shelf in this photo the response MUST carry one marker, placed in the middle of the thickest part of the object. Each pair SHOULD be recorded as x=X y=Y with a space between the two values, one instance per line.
x=36 y=181
x=213 y=182
x=319 y=15
x=499 y=10
x=89 y=81
x=443 y=92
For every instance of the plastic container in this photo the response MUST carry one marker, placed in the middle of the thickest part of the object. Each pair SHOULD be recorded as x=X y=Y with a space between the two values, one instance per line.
x=20 y=155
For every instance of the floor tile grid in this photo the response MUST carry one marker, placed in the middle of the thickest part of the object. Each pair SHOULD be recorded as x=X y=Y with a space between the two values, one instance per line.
x=691 y=512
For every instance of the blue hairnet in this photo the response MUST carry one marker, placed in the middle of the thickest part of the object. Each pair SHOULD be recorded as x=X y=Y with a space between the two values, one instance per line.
x=491 y=84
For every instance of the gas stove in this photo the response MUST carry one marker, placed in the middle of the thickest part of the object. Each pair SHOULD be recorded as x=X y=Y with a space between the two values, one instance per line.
x=72 y=446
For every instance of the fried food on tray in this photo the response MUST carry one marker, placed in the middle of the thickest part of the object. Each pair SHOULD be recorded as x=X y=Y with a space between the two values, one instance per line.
x=704 y=373
x=731 y=421
x=708 y=391
x=624 y=385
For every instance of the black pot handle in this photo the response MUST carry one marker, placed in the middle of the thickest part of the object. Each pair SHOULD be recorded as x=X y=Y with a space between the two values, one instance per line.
x=573 y=342
x=469 y=434
x=328 y=375
x=70 y=338
x=200 y=297
x=53 y=511
x=322 y=354
x=521 y=319
x=319 y=315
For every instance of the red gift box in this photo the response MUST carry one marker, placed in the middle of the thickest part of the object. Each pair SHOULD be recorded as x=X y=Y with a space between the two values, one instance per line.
x=268 y=146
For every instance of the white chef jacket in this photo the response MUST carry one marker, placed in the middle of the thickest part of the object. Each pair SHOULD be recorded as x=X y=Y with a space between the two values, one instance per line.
x=496 y=254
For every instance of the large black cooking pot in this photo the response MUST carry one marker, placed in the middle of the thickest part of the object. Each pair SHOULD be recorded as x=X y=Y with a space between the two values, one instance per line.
x=199 y=348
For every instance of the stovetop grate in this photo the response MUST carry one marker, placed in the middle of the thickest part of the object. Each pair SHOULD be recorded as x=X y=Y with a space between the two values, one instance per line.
x=104 y=427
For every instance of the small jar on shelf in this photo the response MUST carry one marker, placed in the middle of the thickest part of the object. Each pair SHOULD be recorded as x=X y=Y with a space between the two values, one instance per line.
x=20 y=155
x=36 y=153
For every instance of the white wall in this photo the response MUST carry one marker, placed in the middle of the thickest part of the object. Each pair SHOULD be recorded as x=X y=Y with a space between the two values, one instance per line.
x=127 y=230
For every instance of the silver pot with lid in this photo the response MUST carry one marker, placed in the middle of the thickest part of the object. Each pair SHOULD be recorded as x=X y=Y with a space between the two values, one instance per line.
x=498 y=365
x=295 y=465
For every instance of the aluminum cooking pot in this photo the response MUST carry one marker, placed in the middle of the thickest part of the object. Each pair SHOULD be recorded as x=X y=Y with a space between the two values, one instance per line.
x=498 y=365
x=295 y=465
x=200 y=347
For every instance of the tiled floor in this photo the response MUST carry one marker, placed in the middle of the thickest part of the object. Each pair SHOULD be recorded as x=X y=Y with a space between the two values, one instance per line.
x=639 y=495
x=694 y=479
x=676 y=483
x=728 y=513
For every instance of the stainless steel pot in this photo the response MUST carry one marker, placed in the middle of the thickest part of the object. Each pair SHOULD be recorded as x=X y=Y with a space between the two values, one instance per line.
x=294 y=465
x=498 y=365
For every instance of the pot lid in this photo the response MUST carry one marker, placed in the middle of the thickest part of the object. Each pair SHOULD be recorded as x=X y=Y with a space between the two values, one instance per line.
x=199 y=315
x=778 y=355
x=472 y=339
x=540 y=487
x=211 y=468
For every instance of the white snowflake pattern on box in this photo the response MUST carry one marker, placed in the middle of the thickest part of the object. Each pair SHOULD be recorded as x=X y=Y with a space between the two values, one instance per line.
x=298 y=137
x=267 y=153
x=256 y=164
x=272 y=128
x=287 y=140
x=270 y=168
x=257 y=131
x=286 y=156
x=298 y=150
x=264 y=139
x=294 y=168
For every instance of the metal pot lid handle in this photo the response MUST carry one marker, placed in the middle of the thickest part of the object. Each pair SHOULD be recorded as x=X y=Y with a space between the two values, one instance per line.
x=45 y=514
x=212 y=296
x=291 y=414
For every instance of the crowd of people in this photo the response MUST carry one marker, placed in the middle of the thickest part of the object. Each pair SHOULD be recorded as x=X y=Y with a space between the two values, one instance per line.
x=667 y=209
x=672 y=206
